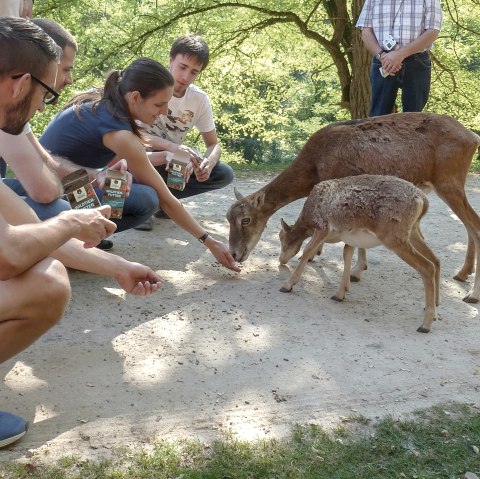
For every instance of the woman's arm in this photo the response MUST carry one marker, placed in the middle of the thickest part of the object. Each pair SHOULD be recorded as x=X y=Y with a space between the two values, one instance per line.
x=161 y=144
x=126 y=145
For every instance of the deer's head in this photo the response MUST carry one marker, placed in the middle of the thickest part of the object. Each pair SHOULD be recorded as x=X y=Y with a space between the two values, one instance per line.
x=247 y=222
x=289 y=243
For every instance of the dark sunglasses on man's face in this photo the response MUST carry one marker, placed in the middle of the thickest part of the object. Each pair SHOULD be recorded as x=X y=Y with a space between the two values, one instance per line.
x=51 y=96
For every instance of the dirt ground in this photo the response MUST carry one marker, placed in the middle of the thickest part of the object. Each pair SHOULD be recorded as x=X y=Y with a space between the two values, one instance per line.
x=216 y=351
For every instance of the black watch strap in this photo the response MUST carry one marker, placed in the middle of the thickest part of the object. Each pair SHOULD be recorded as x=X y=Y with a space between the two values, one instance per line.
x=203 y=237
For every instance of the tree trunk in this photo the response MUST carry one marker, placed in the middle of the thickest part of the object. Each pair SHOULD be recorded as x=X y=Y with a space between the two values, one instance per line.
x=361 y=61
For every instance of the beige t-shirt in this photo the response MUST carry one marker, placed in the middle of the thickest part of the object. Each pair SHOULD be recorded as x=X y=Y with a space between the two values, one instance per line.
x=191 y=110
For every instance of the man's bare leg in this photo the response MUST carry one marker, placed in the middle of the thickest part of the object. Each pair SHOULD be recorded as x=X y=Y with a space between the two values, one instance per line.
x=31 y=304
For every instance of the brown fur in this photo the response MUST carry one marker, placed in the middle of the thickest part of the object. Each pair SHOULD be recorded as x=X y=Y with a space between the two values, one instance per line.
x=432 y=151
x=365 y=211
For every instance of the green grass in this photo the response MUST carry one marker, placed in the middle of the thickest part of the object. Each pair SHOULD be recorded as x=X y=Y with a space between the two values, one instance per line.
x=438 y=443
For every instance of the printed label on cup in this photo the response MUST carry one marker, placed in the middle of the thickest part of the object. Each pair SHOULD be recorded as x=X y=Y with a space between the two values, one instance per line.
x=79 y=191
x=177 y=170
x=114 y=192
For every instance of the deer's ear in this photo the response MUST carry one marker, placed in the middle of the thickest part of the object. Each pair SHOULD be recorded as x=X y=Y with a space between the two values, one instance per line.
x=258 y=199
x=285 y=227
x=238 y=195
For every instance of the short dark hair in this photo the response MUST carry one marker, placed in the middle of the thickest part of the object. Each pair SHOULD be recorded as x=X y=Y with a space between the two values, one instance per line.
x=61 y=36
x=25 y=48
x=191 y=45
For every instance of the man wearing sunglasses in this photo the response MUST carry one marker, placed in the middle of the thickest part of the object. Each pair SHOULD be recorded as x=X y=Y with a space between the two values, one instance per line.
x=34 y=255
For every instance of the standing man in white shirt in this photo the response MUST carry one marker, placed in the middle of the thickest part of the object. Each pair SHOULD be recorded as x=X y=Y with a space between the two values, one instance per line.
x=12 y=8
x=399 y=35
x=189 y=107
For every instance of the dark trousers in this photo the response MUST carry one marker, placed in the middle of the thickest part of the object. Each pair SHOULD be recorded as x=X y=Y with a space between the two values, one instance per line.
x=413 y=79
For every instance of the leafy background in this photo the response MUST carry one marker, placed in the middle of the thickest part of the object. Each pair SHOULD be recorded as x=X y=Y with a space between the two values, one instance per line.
x=273 y=77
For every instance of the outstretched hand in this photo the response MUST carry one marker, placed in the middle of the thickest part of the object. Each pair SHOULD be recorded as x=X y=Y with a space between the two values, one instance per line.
x=139 y=280
x=222 y=254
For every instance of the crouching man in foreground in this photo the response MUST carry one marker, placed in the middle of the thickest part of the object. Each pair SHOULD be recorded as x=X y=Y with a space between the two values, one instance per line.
x=34 y=284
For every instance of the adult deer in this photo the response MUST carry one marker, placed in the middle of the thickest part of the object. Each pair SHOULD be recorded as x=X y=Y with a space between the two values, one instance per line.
x=365 y=211
x=429 y=150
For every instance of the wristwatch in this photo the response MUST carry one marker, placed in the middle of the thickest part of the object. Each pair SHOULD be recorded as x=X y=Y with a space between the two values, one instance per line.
x=203 y=237
x=379 y=55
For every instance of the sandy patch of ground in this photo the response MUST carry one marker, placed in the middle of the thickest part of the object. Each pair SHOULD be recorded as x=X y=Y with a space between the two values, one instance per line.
x=217 y=351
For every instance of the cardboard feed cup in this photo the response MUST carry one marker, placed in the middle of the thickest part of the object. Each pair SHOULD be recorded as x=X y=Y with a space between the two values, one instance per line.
x=178 y=163
x=79 y=191
x=114 y=192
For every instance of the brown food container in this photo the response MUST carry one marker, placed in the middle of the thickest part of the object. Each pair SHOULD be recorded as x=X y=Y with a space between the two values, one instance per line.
x=178 y=163
x=114 y=192
x=79 y=190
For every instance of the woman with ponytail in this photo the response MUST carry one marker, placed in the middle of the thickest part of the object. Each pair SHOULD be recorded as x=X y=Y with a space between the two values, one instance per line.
x=99 y=127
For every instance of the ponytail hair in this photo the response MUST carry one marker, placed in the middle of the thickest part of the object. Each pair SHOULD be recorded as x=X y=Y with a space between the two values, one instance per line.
x=144 y=75
x=93 y=95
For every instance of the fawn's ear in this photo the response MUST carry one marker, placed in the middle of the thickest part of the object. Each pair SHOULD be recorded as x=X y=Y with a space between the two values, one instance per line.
x=285 y=227
x=238 y=195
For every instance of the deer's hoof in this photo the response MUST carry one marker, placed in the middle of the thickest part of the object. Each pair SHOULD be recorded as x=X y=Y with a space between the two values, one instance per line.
x=354 y=279
x=335 y=298
x=285 y=289
x=470 y=299
x=460 y=277
x=421 y=329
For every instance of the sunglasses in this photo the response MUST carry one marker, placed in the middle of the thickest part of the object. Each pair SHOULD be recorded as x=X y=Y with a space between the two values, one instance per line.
x=51 y=96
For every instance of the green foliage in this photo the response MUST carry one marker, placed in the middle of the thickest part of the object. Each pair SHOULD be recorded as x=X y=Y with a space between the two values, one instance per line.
x=272 y=78
x=457 y=71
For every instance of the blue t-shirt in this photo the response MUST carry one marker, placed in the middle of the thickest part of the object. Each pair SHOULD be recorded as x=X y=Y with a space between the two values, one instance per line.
x=78 y=136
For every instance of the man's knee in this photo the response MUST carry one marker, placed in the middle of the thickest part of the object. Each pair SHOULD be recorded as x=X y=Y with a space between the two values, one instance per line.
x=143 y=199
x=45 y=211
x=222 y=175
x=32 y=303
x=53 y=293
